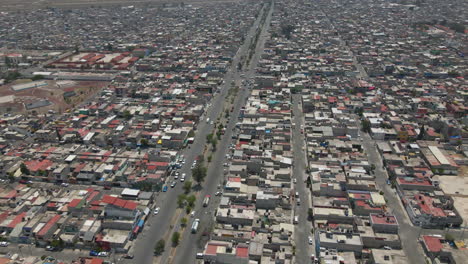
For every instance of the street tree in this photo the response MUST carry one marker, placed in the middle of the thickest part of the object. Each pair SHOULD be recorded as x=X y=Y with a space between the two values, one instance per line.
x=159 y=248
x=191 y=200
x=181 y=200
x=24 y=169
x=175 y=239
x=187 y=186
x=199 y=173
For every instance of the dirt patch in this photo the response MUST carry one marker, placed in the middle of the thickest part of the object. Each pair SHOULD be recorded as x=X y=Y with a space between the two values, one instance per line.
x=75 y=92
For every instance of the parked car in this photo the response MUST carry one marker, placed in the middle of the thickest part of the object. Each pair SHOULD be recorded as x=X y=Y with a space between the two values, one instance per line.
x=128 y=256
x=173 y=184
x=164 y=188
x=4 y=244
x=311 y=241
x=103 y=254
x=51 y=248
x=93 y=253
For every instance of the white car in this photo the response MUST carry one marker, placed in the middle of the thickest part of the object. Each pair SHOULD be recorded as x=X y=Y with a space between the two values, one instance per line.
x=4 y=244
x=192 y=214
x=156 y=211
x=311 y=241
x=103 y=254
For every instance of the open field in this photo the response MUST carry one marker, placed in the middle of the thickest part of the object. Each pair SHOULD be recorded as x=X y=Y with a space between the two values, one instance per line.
x=52 y=91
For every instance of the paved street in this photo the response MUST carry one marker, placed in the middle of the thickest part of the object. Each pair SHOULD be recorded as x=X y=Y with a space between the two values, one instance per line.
x=303 y=228
x=158 y=225
x=188 y=248
x=408 y=233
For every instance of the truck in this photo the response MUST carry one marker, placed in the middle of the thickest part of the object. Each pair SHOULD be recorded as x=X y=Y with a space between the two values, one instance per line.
x=206 y=201
x=195 y=225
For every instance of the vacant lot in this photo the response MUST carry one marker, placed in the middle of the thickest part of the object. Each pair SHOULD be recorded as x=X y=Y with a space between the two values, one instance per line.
x=53 y=91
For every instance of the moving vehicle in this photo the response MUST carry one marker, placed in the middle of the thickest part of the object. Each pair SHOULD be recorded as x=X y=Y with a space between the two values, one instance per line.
x=195 y=225
x=206 y=201
x=200 y=255
x=311 y=241
x=156 y=211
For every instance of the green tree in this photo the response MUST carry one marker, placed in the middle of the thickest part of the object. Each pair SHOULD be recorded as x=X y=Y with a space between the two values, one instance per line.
x=422 y=131
x=199 y=173
x=191 y=200
x=127 y=115
x=37 y=77
x=24 y=169
x=214 y=142
x=359 y=111
x=183 y=221
x=209 y=138
x=57 y=243
x=366 y=125
x=181 y=200
x=159 y=248
x=286 y=30
x=188 y=209
x=144 y=142
x=310 y=214
x=191 y=134
x=175 y=239
x=187 y=186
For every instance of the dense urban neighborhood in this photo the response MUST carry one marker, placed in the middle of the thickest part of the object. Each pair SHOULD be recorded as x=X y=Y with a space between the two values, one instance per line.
x=275 y=131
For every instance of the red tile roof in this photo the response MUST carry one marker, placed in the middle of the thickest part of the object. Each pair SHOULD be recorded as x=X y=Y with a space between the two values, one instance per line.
x=211 y=249
x=242 y=252
x=35 y=165
x=18 y=219
x=383 y=219
x=74 y=203
x=433 y=244
x=119 y=202
x=49 y=225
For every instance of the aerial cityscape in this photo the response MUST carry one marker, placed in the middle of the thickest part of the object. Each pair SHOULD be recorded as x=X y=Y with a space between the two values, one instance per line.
x=233 y=131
